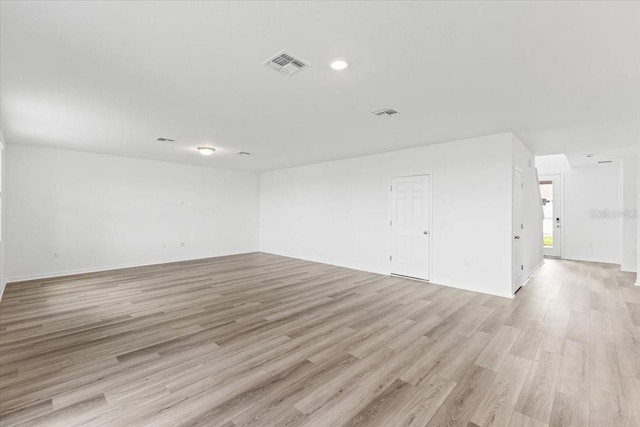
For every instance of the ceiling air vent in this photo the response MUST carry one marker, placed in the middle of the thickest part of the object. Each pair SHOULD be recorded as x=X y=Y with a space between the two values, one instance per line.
x=602 y=162
x=285 y=63
x=385 y=112
x=243 y=153
x=168 y=140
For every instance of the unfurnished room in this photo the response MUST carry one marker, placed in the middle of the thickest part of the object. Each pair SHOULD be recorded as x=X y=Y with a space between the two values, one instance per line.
x=319 y=213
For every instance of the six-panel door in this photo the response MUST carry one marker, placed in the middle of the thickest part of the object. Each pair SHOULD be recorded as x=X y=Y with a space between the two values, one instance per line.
x=410 y=226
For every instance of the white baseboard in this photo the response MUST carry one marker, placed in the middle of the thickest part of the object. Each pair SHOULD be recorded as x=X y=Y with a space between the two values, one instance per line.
x=533 y=272
x=52 y=275
x=366 y=269
x=536 y=268
x=601 y=261
x=387 y=273
x=493 y=292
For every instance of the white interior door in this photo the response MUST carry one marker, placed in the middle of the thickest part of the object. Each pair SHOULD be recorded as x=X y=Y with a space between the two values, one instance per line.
x=518 y=267
x=410 y=226
x=551 y=192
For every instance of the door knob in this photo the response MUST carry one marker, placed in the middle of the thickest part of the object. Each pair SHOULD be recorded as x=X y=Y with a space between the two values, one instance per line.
x=425 y=232
x=517 y=237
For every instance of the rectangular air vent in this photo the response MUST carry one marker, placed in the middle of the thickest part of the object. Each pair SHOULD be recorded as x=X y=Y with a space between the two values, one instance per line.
x=285 y=63
x=168 y=140
x=385 y=112
x=602 y=162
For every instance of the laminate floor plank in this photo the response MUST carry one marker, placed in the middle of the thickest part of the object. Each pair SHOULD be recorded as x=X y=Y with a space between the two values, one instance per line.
x=497 y=405
x=536 y=398
x=264 y=340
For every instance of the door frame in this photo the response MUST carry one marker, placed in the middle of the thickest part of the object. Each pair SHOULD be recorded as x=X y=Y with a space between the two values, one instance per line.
x=558 y=189
x=515 y=274
x=429 y=210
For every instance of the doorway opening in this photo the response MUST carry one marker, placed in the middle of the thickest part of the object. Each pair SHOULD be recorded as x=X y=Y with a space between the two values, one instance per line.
x=551 y=215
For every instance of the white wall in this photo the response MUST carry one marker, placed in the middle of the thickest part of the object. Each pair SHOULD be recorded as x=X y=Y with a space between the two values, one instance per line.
x=531 y=235
x=587 y=238
x=73 y=212
x=552 y=164
x=3 y=281
x=338 y=212
x=638 y=226
x=629 y=225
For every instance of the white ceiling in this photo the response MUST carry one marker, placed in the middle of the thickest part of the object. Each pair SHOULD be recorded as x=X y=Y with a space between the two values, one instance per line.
x=110 y=77
x=614 y=155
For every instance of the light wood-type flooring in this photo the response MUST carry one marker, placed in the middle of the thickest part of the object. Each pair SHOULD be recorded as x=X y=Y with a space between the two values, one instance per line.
x=264 y=340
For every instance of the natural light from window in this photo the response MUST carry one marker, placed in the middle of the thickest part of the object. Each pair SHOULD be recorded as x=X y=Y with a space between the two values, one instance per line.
x=546 y=191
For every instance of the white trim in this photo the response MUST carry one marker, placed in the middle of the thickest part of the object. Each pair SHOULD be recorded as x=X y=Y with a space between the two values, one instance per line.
x=20 y=279
x=602 y=261
x=417 y=279
x=493 y=292
x=533 y=272
x=3 y=237
x=536 y=268
x=514 y=285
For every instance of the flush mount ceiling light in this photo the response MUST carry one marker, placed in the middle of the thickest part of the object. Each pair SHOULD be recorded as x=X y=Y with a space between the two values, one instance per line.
x=206 y=151
x=338 y=64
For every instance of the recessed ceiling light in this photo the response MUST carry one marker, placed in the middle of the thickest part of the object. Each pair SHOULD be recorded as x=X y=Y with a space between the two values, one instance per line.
x=206 y=151
x=338 y=64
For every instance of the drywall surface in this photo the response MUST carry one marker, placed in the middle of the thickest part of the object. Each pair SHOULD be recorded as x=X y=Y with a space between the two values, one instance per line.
x=531 y=232
x=338 y=212
x=552 y=164
x=629 y=210
x=3 y=281
x=71 y=212
x=591 y=213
